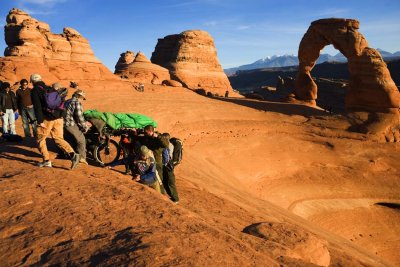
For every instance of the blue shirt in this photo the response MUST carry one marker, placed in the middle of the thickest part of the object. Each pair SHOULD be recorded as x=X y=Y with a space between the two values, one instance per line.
x=147 y=171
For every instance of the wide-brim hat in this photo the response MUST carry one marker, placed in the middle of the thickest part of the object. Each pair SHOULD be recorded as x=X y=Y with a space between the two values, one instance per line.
x=80 y=92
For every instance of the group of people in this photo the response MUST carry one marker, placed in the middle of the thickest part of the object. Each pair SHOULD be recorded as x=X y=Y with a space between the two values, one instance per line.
x=148 y=156
x=151 y=159
x=11 y=103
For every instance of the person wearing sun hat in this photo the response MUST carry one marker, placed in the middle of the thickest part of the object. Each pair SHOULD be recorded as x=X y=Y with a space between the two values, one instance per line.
x=145 y=171
x=75 y=124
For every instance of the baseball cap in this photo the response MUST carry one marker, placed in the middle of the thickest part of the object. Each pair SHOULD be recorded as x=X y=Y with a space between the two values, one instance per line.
x=36 y=77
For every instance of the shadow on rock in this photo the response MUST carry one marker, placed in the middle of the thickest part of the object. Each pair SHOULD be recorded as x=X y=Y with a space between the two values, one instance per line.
x=283 y=108
x=118 y=251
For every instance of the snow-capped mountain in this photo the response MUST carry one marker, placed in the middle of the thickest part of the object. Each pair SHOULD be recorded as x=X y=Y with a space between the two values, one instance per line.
x=277 y=61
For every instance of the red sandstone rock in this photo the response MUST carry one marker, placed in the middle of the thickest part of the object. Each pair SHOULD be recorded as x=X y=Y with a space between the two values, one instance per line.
x=140 y=69
x=192 y=59
x=371 y=87
x=32 y=47
x=171 y=83
x=124 y=60
x=296 y=243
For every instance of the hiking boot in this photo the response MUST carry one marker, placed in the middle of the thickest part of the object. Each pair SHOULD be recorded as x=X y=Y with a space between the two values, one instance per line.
x=82 y=160
x=74 y=161
x=46 y=163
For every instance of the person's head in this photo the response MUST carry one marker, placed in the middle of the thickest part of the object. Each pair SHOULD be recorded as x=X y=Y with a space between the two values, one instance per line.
x=145 y=153
x=149 y=130
x=56 y=86
x=79 y=94
x=35 y=78
x=6 y=86
x=73 y=85
x=24 y=83
x=165 y=137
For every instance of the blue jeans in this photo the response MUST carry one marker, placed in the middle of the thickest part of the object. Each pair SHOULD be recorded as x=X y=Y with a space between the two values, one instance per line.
x=8 y=118
x=28 y=117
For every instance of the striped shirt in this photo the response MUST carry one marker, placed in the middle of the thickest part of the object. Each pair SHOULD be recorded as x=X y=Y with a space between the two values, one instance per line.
x=74 y=114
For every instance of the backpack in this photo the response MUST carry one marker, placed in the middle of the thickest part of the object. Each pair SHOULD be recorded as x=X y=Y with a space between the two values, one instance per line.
x=177 y=154
x=55 y=100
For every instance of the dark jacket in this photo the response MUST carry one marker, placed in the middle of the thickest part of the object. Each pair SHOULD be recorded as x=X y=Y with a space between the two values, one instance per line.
x=155 y=144
x=39 y=101
x=3 y=96
x=21 y=98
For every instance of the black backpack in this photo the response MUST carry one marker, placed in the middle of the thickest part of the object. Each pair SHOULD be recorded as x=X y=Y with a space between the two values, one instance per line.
x=177 y=154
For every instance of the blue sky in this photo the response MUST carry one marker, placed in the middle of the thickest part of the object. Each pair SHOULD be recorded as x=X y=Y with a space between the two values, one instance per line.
x=243 y=30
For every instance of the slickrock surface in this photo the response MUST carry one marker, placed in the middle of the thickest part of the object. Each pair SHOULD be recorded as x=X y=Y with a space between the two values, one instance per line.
x=238 y=158
x=192 y=59
x=172 y=83
x=140 y=69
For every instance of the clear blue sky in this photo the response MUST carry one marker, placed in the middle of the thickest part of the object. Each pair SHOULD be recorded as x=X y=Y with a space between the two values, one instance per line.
x=243 y=30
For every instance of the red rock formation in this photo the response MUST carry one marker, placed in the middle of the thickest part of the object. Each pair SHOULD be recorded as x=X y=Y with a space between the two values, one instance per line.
x=192 y=59
x=124 y=60
x=371 y=87
x=32 y=47
x=171 y=83
x=140 y=69
x=295 y=243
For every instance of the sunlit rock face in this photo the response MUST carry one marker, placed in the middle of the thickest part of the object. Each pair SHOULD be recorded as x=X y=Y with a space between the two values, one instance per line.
x=372 y=99
x=191 y=58
x=32 y=47
x=140 y=69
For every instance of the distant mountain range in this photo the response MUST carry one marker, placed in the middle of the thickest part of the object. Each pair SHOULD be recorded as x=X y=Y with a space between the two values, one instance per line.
x=292 y=60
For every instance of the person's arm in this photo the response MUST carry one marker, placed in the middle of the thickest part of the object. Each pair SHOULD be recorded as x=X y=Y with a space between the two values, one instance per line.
x=162 y=142
x=81 y=122
x=19 y=100
x=2 y=110
x=165 y=156
x=14 y=101
x=37 y=106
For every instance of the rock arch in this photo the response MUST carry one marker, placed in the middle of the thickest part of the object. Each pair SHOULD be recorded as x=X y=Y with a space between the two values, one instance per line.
x=371 y=88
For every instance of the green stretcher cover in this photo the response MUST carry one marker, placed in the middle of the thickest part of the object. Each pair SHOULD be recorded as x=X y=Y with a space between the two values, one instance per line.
x=121 y=120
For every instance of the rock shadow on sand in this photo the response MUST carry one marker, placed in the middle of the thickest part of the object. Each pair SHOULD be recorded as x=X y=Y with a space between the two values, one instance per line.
x=117 y=251
x=277 y=107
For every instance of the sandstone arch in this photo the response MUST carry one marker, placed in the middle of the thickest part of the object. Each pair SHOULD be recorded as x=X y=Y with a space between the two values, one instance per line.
x=371 y=88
